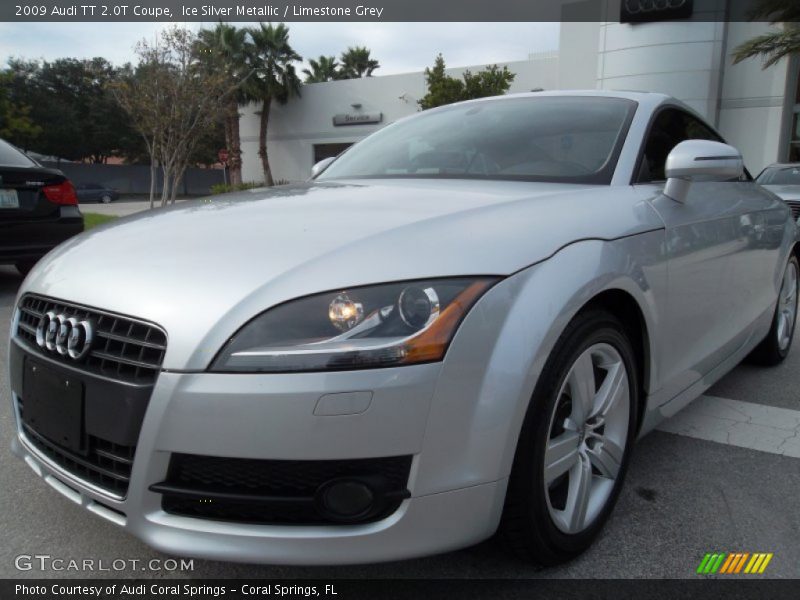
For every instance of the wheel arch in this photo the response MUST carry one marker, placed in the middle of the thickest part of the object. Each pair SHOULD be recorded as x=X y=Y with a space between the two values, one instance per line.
x=478 y=409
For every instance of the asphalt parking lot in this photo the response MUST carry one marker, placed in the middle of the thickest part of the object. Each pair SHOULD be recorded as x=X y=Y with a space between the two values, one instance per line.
x=721 y=476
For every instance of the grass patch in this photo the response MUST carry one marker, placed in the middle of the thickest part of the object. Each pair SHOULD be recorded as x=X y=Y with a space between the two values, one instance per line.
x=94 y=219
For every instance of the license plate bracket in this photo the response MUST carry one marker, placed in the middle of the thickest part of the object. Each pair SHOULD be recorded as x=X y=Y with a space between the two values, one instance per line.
x=53 y=405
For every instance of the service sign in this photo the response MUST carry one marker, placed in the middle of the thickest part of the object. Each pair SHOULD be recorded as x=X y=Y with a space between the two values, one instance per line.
x=357 y=119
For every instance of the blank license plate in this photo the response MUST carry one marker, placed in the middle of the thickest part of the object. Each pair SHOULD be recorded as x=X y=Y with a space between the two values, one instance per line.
x=9 y=199
x=53 y=405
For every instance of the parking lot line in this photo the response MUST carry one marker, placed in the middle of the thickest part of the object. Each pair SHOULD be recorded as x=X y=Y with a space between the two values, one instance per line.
x=745 y=424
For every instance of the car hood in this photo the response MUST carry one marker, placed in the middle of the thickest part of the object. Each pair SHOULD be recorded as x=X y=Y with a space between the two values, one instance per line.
x=785 y=192
x=202 y=269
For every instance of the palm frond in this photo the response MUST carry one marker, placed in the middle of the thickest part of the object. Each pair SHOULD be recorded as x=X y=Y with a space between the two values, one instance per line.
x=771 y=46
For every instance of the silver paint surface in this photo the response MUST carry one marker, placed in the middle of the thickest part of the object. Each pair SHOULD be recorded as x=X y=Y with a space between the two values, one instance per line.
x=705 y=275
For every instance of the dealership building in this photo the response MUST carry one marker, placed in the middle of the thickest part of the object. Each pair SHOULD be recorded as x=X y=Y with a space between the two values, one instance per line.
x=756 y=110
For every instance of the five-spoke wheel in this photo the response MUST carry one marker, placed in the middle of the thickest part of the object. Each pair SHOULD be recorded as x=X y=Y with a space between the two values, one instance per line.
x=775 y=346
x=575 y=442
x=587 y=438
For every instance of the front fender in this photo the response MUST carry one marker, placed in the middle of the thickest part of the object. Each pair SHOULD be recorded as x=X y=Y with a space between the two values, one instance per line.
x=494 y=362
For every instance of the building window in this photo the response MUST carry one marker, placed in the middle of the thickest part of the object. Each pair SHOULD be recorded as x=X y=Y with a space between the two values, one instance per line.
x=323 y=151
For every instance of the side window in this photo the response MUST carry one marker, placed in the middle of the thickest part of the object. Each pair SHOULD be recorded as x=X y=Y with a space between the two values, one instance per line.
x=670 y=127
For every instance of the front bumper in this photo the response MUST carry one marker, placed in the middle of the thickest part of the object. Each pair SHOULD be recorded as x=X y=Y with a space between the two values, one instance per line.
x=286 y=417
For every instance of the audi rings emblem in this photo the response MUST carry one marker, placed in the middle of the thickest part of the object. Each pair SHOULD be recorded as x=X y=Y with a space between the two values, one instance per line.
x=645 y=6
x=68 y=336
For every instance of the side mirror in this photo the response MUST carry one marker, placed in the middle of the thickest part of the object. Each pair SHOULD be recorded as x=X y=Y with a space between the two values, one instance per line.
x=700 y=160
x=321 y=166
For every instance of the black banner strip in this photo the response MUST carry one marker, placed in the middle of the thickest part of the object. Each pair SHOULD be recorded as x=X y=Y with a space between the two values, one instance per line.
x=729 y=588
x=178 y=11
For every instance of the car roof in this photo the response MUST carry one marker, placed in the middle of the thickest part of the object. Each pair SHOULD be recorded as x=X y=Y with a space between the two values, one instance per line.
x=646 y=98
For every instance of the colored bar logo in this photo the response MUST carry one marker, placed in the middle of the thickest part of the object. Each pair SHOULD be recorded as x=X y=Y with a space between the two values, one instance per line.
x=734 y=563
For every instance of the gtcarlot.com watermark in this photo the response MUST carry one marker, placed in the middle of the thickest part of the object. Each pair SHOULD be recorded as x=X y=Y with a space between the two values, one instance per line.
x=47 y=562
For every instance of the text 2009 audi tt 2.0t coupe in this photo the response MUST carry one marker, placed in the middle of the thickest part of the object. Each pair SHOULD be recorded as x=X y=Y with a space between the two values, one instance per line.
x=460 y=324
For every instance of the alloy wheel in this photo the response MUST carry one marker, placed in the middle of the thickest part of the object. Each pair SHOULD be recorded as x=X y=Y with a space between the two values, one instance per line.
x=587 y=438
x=787 y=306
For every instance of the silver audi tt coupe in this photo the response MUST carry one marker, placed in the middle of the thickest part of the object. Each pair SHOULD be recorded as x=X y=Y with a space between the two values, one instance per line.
x=459 y=326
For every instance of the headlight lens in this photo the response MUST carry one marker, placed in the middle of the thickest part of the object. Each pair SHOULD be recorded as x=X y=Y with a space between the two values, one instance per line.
x=377 y=326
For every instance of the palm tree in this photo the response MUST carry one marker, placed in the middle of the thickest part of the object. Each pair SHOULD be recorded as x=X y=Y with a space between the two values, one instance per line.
x=274 y=78
x=356 y=63
x=224 y=49
x=776 y=44
x=324 y=69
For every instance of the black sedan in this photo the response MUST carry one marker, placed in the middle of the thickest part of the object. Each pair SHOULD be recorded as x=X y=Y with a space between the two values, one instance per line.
x=38 y=209
x=94 y=192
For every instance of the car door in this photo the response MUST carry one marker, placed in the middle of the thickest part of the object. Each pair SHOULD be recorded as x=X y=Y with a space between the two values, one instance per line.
x=720 y=256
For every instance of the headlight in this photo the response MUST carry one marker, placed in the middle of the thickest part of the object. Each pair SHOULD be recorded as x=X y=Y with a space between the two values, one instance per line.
x=376 y=326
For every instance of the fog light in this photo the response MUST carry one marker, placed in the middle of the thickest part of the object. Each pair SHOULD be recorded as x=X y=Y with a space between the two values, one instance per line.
x=345 y=499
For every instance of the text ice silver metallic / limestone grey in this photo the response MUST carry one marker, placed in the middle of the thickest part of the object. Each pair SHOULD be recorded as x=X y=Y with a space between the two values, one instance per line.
x=458 y=326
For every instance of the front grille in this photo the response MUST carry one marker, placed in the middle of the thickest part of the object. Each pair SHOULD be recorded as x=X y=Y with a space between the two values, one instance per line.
x=126 y=349
x=106 y=464
x=795 y=206
x=274 y=491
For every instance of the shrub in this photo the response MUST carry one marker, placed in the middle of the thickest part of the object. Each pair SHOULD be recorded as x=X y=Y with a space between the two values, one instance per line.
x=224 y=188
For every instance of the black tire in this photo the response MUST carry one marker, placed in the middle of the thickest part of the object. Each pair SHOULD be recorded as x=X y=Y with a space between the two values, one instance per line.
x=527 y=527
x=24 y=266
x=770 y=352
x=105 y=199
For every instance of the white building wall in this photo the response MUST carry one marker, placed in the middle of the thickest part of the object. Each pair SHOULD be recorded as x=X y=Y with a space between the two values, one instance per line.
x=303 y=122
x=686 y=59
x=577 y=55
x=751 y=108
x=680 y=58
x=691 y=61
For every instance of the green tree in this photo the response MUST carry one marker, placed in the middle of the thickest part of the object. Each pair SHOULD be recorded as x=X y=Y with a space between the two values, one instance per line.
x=15 y=122
x=274 y=78
x=773 y=45
x=173 y=99
x=224 y=50
x=492 y=81
x=444 y=89
x=70 y=104
x=356 y=63
x=326 y=68
x=141 y=94
x=210 y=141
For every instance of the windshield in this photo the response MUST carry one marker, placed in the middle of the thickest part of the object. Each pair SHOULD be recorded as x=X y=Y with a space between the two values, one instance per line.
x=570 y=139
x=780 y=176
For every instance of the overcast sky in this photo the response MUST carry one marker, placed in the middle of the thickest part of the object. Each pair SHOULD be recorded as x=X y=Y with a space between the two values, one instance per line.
x=400 y=47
